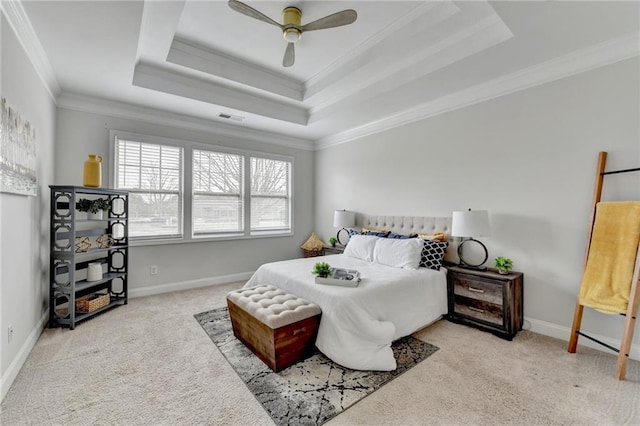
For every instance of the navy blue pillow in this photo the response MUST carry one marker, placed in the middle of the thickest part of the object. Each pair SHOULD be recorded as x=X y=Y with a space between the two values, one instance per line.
x=401 y=236
x=353 y=232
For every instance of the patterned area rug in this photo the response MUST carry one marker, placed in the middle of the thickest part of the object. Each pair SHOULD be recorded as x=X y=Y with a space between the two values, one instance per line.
x=314 y=390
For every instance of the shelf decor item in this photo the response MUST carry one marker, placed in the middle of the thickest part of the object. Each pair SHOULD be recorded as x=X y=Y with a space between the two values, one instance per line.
x=470 y=224
x=83 y=244
x=94 y=207
x=105 y=241
x=91 y=302
x=92 y=173
x=94 y=271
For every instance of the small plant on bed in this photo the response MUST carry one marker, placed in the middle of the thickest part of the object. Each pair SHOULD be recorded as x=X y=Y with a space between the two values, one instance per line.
x=322 y=269
x=333 y=241
x=503 y=264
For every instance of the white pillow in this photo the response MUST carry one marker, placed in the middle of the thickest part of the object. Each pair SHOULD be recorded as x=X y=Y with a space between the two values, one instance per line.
x=398 y=253
x=361 y=247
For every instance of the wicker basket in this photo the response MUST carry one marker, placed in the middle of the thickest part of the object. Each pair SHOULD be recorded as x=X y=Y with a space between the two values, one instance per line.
x=313 y=253
x=91 y=302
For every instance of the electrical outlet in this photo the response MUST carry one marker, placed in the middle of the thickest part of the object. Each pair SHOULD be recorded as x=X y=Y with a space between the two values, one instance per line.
x=153 y=270
x=9 y=334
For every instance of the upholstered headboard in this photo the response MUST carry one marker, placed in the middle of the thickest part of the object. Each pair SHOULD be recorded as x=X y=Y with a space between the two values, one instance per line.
x=411 y=225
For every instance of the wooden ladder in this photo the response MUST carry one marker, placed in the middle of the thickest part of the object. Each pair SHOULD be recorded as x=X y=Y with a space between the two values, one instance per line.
x=634 y=297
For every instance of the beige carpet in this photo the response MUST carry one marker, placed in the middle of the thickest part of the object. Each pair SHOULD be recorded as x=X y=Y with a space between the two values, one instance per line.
x=150 y=363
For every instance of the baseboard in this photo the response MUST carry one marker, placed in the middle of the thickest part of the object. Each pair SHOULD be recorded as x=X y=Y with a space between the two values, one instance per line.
x=12 y=372
x=186 y=285
x=563 y=333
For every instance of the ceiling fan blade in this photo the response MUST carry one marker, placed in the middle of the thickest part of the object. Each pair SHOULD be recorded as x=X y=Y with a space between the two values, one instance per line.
x=245 y=9
x=337 y=19
x=289 y=55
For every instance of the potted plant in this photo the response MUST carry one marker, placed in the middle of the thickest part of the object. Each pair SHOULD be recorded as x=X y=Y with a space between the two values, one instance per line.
x=94 y=207
x=503 y=264
x=333 y=241
x=322 y=269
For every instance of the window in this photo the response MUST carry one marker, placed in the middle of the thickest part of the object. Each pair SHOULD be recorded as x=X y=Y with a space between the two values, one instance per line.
x=183 y=191
x=153 y=176
x=217 y=192
x=270 y=193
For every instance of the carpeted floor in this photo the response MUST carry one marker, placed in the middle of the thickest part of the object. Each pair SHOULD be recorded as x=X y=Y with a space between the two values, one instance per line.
x=313 y=390
x=150 y=363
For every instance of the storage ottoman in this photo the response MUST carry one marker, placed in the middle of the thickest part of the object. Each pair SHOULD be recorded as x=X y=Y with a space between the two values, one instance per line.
x=280 y=328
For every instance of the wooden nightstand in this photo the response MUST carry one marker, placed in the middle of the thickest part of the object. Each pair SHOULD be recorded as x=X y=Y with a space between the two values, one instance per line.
x=334 y=250
x=486 y=300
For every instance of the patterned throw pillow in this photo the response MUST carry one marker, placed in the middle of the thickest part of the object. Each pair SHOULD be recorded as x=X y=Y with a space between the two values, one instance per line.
x=379 y=233
x=438 y=236
x=433 y=254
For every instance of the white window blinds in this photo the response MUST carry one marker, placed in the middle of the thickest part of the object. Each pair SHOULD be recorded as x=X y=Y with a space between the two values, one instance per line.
x=218 y=205
x=152 y=174
x=270 y=194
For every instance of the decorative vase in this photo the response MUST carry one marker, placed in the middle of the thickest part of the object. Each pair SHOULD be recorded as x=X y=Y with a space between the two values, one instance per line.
x=503 y=271
x=92 y=174
x=94 y=272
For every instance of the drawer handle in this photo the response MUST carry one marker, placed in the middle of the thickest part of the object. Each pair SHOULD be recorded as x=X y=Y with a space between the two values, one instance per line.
x=300 y=330
x=476 y=290
x=476 y=309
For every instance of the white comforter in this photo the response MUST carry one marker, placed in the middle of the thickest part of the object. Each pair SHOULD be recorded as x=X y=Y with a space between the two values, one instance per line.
x=358 y=324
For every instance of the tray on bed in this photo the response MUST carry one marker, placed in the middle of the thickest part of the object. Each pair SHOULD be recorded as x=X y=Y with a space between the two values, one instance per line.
x=341 y=277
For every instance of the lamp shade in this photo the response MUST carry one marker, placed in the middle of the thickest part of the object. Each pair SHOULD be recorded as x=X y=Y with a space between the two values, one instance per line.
x=472 y=223
x=344 y=219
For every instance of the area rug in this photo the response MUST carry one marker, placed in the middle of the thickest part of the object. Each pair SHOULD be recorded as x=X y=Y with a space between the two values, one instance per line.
x=314 y=390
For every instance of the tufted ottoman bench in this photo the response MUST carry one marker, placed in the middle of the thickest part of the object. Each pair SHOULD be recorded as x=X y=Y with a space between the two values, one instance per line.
x=280 y=328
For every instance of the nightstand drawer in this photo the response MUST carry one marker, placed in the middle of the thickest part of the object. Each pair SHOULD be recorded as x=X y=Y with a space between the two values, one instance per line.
x=479 y=310
x=478 y=288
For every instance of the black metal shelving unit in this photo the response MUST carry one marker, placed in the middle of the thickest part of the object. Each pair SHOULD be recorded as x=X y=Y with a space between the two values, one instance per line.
x=69 y=267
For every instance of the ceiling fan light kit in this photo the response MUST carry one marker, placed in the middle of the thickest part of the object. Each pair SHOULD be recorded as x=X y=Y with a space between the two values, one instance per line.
x=292 y=27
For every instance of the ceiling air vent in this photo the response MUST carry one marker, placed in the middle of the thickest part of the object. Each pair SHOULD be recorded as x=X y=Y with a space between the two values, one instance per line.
x=230 y=117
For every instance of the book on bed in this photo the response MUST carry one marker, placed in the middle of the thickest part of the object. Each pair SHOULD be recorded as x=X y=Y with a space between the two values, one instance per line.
x=341 y=277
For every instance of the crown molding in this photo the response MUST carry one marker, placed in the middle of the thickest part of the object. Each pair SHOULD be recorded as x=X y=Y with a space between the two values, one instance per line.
x=587 y=59
x=26 y=35
x=117 y=109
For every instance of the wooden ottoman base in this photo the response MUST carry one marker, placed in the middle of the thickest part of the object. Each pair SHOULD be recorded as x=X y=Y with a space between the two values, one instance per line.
x=279 y=347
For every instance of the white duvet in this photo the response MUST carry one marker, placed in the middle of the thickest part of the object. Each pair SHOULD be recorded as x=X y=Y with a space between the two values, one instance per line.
x=358 y=324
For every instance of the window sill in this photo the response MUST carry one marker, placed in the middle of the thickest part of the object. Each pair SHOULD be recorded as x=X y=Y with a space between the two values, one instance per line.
x=167 y=241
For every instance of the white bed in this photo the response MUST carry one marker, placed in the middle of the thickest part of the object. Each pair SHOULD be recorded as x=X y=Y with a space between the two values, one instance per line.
x=359 y=324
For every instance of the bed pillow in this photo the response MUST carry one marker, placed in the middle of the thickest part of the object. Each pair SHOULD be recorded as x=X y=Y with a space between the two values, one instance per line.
x=379 y=233
x=433 y=254
x=361 y=247
x=438 y=236
x=398 y=253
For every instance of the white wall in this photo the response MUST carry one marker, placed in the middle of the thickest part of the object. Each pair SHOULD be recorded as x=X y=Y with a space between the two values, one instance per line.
x=529 y=158
x=190 y=264
x=24 y=221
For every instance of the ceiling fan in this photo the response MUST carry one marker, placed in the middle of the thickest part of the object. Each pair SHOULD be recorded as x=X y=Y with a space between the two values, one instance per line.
x=291 y=26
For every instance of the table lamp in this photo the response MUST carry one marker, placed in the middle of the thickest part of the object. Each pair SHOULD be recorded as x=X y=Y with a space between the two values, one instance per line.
x=343 y=219
x=471 y=224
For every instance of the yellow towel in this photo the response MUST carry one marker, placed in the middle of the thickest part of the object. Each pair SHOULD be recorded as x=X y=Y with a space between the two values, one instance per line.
x=606 y=283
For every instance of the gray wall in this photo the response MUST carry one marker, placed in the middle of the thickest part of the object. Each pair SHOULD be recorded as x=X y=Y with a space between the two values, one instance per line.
x=24 y=221
x=189 y=264
x=528 y=158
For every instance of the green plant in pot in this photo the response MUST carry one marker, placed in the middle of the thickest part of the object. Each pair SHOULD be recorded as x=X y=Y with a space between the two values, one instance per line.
x=503 y=264
x=333 y=241
x=95 y=207
x=322 y=269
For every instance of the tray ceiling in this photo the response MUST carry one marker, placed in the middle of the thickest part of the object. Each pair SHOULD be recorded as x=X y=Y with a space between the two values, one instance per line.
x=200 y=58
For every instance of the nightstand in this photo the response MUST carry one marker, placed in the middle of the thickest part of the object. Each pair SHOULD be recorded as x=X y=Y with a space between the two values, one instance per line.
x=486 y=300
x=334 y=250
